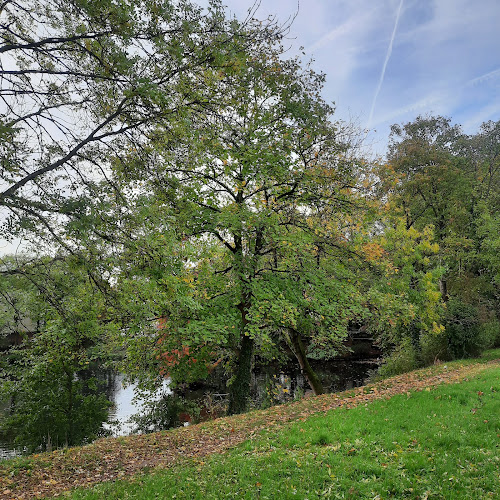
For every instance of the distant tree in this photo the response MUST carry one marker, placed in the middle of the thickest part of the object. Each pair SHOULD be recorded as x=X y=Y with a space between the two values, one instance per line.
x=438 y=176
x=403 y=294
x=432 y=187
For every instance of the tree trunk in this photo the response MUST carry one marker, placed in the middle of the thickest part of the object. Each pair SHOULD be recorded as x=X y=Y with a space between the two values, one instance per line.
x=69 y=409
x=443 y=288
x=239 y=391
x=309 y=373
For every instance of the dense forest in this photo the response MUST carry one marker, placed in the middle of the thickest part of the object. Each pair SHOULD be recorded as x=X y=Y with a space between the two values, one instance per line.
x=189 y=203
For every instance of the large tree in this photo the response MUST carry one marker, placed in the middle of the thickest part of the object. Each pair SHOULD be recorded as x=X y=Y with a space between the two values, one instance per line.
x=242 y=190
x=83 y=85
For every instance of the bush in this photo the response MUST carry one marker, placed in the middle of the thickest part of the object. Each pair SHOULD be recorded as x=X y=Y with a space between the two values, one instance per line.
x=403 y=359
x=434 y=347
x=50 y=408
x=463 y=330
x=167 y=412
x=490 y=333
x=278 y=391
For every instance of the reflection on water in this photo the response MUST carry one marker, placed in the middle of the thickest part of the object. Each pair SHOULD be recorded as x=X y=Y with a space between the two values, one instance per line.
x=125 y=405
x=336 y=375
x=5 y=450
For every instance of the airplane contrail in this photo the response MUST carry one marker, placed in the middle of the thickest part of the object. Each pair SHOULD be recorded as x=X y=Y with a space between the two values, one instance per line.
x=387 y=57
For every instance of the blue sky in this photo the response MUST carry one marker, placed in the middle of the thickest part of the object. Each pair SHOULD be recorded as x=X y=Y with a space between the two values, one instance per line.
x=440 y=57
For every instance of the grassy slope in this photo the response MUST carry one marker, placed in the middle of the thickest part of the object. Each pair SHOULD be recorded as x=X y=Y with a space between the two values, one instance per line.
x=184 y=449
x=439 y=443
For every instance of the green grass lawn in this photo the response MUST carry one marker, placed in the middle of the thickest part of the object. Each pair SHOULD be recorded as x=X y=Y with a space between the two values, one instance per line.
x=439 y=443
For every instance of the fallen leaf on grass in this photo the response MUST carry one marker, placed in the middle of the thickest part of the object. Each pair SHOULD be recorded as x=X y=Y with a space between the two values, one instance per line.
x=54 y=473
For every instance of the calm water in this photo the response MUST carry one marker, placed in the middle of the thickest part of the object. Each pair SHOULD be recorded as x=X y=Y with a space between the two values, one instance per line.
x=125 y=405
x=336 y=376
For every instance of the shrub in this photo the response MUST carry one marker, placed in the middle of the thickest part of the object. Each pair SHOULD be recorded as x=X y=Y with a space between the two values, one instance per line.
x=490 y=333
x=463 y=330
x=50 y=408
x=278 y=391
x=165 y=413
x=403 y=359
x=434 y=347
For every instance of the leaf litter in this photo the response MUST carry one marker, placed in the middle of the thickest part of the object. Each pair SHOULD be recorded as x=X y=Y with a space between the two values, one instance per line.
x=109 y=459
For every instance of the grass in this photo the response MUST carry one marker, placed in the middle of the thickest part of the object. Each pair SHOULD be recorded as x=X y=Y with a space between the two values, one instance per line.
x=442 y=443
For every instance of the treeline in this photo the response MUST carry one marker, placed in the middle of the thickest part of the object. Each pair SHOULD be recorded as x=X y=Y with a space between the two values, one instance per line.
x=444 y=183
x=190 y=202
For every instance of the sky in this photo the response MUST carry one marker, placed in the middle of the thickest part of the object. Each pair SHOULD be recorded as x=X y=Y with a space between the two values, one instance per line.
x=388 y=61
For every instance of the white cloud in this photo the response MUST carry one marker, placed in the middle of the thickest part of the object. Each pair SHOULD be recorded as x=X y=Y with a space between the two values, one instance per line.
x=429 y=102
x=347 y=31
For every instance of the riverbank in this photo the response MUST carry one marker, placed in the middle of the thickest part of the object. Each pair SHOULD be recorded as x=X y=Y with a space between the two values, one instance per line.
x=112 y=459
